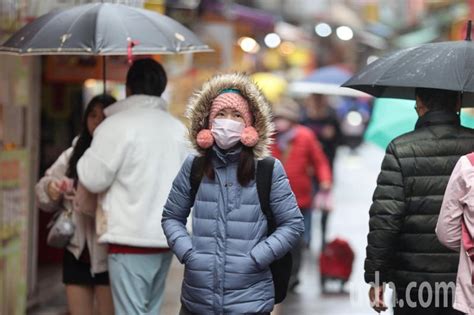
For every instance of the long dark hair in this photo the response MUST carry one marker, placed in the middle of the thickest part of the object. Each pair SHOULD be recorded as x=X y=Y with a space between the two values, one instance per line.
x=85 y=138
x=245 y=170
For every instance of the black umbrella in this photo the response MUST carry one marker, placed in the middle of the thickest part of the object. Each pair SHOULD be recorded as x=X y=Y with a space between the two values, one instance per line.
x=103 y=29
x=443 y=65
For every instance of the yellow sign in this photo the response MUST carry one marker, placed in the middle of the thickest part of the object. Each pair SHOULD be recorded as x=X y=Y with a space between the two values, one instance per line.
x=155 y=5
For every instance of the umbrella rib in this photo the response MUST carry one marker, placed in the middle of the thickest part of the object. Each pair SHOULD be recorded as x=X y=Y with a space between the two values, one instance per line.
x=156 y=27
x=45 y=24
x=122 y=23
x=388 y=70
x=77 y=19
x=50 y=20
x=466 y=66
x=393 y=63
x=95 y=30
x=14 y=41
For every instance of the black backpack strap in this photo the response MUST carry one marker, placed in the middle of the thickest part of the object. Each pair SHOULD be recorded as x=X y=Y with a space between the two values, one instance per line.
x=264 y=187
x=195 y=176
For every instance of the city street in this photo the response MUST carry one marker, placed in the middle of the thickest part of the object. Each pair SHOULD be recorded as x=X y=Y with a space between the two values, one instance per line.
x=100 y=101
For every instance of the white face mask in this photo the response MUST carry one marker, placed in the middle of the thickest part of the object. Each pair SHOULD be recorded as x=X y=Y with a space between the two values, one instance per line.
x=227 y=132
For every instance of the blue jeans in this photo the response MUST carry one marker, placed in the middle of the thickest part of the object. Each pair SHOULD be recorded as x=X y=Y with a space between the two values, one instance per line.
x=184 y=311
x=138 y=282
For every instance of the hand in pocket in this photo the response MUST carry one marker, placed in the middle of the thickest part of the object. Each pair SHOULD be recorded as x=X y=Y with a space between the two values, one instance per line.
x=188 y=257
x=253 y=267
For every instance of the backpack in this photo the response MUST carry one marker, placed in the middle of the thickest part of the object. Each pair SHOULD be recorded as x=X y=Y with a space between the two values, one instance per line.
x=280 y=268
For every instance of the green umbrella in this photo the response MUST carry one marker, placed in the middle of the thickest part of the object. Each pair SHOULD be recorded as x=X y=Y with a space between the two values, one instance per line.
x=393 y=117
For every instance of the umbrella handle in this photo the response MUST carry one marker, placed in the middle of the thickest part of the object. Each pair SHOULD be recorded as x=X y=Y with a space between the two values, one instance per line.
x=131 y=44
x=104 y=73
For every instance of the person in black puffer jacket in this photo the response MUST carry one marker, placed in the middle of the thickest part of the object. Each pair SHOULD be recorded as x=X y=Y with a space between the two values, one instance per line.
x=402 y=245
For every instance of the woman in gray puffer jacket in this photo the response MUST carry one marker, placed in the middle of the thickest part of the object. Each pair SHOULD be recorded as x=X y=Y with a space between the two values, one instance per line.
x=227 y=257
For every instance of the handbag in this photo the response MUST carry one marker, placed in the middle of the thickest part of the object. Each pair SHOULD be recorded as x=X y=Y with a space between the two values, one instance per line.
x=61 y=229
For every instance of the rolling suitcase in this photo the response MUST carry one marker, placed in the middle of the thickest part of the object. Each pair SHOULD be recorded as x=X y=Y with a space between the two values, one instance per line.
x=335 y=263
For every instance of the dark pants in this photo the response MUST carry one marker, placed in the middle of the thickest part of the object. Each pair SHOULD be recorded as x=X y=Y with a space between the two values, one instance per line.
x=324 y=224
x=426 y=311
x=430 y=310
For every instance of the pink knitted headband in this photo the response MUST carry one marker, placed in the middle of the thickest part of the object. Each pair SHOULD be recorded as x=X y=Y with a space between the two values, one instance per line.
x=233 y=100
x=229 y=98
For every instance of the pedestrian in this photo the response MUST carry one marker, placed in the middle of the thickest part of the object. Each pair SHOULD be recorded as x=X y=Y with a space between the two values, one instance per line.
x=402 y=245
x=84 y=261
x=455 y=226
x=303 y=158
x=227 y=257
x=132 y=161
x=322 y=119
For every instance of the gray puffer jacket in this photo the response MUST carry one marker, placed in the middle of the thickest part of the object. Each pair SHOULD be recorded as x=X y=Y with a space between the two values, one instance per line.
x=227 y=257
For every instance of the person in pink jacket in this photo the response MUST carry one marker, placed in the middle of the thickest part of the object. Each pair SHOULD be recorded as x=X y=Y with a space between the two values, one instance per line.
x=458 y=206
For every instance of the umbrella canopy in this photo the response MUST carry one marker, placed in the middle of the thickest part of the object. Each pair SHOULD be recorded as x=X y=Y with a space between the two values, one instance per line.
x=393 y=117
x=443 y=65
x=103 y=29
x=329 y=75
x=325 y=80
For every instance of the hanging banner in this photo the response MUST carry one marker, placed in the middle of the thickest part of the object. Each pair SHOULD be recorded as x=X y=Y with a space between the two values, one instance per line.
x=13 y=231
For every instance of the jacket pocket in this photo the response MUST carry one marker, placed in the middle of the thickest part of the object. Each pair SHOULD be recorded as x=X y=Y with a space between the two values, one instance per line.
x=198 y=261
x=243 y=264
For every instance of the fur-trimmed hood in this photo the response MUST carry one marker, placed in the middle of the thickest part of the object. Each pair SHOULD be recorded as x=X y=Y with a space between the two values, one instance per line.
x=200 y=104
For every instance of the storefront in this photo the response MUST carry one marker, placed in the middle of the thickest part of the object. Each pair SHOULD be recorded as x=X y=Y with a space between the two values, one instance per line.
x=19 y=136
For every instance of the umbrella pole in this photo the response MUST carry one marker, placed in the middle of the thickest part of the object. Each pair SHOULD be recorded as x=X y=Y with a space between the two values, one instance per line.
x=468 y=30
x=104 y=72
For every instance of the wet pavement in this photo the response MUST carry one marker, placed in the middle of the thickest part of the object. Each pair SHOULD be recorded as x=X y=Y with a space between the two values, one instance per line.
x=355 y=181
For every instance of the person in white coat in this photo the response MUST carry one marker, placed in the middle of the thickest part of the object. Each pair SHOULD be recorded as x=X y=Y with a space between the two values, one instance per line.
x=84 y=261
x=135 y=155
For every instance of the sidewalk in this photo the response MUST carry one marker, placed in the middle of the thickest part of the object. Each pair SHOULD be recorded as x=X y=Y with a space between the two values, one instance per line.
x=355 y=181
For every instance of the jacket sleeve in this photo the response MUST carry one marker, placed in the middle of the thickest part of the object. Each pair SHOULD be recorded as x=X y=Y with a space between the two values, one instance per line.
x=176 y=212
x=55 y=172
x=386 y=217
x=288 y=218
x=84 y=201
x=319 y=160
x=448 y=228
x=99 y=165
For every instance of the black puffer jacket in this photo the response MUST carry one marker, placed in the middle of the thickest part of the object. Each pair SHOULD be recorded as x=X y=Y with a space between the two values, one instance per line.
x=402 y=243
